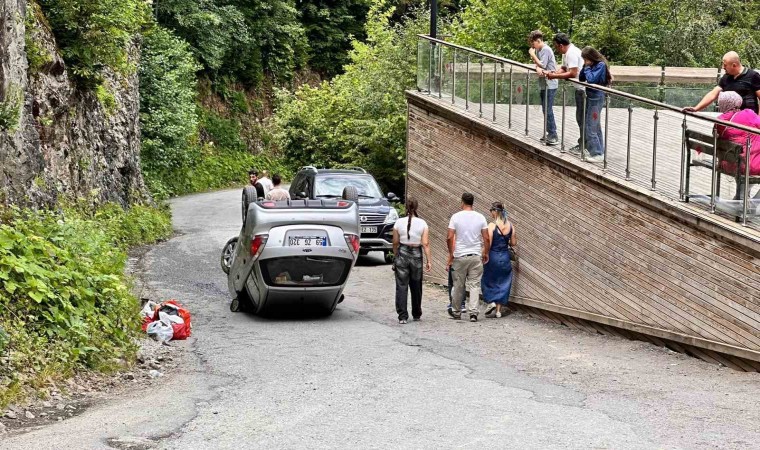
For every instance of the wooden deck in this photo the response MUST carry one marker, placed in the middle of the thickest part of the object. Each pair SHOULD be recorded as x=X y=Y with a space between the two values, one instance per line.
x=665 y=170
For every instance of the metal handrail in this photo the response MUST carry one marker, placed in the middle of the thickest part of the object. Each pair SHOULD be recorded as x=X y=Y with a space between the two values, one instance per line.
x=608 y=90
x=657 y=106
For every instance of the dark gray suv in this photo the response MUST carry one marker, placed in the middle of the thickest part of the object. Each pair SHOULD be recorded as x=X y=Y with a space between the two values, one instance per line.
x=376 y=214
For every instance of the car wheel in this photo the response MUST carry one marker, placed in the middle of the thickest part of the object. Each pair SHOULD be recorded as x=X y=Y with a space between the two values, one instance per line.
x=351 y=193
x=227 y=253
x=388 y=257
x=249 y=196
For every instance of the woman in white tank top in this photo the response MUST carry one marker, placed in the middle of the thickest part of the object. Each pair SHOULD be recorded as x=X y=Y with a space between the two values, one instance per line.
x=410 y=239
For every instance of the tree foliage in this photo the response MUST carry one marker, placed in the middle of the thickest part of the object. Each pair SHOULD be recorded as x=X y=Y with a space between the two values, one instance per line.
x=330 y=26
x=95 y=34
x=359 y=118
x=167 y=107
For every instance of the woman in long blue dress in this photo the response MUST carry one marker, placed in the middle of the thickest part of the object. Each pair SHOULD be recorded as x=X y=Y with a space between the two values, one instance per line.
x=497 y=273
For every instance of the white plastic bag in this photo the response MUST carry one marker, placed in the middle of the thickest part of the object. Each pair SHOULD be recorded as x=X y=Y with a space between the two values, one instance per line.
x=148 y=309
x=160 y=330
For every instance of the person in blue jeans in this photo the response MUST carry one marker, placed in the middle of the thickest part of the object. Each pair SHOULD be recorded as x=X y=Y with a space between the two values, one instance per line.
x=595 y=70
x=543 y=56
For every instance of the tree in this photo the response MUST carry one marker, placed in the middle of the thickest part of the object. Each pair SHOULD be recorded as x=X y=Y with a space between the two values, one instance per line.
x=359 y=118
x=330 y=26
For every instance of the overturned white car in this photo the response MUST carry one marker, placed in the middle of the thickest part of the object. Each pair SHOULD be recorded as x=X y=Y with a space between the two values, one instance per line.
x=293 y=253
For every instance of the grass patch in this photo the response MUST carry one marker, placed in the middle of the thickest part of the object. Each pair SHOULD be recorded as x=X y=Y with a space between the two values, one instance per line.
x=65 y=301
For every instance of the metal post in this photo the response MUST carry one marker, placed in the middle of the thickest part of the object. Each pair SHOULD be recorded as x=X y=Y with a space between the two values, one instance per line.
x=546 y=112
x=714 y=185
x=527 y=101
x=606 y=136
x=564 y=102
x=495 y=92
x=440 y=71
x=746 y=178
x=628 y=145
x=684 y=149
x=654 y=149
x=480 y=107
x=419 y=57
x=583 y=129
x=509 y=110
x=430 y=68
x=467 y=85
x=454 y=78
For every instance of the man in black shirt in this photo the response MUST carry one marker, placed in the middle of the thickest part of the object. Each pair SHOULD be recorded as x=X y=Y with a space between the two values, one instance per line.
x=253 y=176
x=739 y=79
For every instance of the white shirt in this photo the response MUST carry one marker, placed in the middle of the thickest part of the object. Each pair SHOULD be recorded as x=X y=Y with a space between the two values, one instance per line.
x=267 y=183
x=415 y=232
x=467 y=226
x=572 y=58
x=278 y=194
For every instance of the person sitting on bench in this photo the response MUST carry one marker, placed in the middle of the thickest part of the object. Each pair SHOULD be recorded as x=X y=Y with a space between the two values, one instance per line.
x=729 y=104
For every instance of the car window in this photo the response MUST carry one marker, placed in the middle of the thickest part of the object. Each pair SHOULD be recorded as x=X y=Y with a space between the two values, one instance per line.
x=333 y=186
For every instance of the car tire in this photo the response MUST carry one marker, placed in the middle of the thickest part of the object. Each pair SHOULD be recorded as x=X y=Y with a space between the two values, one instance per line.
x=249 y=196
x=388 y=257
x=227 y=253
x=351 y=193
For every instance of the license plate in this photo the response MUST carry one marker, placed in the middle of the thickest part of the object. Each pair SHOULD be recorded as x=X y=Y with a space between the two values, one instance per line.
x=307 y=241
x=370 y=230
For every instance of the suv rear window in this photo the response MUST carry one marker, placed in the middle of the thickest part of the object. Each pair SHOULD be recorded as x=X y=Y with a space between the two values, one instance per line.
x=332 y=185
x=295 y=271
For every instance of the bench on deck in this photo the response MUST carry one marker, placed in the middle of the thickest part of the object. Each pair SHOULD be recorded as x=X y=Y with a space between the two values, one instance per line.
x=726 y=151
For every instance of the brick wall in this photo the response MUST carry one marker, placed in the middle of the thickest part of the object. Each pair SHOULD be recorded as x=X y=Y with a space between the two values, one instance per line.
x=586 y=250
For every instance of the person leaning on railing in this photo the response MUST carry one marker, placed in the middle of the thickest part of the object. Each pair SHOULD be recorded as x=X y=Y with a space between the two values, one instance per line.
x=730 y=105
x=742 y=80
x=595 y=70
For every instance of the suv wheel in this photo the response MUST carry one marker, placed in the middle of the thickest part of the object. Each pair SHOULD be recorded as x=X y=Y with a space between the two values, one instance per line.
x=351 y=193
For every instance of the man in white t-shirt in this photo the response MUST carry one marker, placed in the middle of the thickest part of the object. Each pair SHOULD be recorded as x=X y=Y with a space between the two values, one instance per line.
x=572 y=64
x=265 y=181
x=469 y=245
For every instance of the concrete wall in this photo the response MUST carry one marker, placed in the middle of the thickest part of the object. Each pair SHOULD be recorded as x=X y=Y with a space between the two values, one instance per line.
x=590 y=247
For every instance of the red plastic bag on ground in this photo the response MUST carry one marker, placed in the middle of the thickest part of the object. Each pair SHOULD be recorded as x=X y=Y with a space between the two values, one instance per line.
x=182 y=329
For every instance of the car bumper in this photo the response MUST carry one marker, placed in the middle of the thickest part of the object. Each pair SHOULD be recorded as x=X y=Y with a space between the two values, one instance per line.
x=382 y=240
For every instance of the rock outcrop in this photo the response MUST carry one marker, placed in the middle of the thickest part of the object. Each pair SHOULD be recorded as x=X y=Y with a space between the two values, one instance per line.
x=63 y=139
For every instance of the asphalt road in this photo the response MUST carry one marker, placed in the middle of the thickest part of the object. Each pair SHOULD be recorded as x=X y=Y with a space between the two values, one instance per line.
x=360 y=380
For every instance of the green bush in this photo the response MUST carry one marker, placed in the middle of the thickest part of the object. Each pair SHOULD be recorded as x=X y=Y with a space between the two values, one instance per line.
x=95 y=34
x=65 y=302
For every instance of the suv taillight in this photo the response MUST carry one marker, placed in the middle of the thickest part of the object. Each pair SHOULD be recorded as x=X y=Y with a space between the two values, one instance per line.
x=353 y=242
x=257 y=244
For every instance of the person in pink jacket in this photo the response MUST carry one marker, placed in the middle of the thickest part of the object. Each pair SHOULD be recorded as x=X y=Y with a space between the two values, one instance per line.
x=729 y=104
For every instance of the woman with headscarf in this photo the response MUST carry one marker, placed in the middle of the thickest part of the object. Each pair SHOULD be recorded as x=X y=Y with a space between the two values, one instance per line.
x=497 y=273
x=410 y=240
x=729 y=104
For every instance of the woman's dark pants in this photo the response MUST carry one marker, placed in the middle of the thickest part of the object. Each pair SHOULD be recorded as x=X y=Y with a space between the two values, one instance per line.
x=408 y=277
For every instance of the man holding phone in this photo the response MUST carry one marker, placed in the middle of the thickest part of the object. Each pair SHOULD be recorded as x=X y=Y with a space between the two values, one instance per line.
x=572 y=63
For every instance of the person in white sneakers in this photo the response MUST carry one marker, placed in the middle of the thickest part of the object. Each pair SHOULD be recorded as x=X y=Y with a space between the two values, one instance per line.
x=468 y=244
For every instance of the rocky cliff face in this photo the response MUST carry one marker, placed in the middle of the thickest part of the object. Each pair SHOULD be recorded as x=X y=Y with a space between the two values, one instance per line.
x=62 y=140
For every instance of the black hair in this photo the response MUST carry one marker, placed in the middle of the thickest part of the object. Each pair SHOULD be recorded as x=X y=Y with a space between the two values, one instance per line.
x=561 y=39
x=411 y=211
x=468 y=199
x=276 y=179
x=253 y=172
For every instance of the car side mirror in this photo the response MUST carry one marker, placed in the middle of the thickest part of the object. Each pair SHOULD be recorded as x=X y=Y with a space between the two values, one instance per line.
x=392 y=197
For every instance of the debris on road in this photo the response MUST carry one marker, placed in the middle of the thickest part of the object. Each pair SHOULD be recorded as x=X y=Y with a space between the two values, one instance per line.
x=166 y=321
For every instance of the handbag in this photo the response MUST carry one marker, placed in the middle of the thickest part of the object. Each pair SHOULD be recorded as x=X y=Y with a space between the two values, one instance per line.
x=513 y=256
